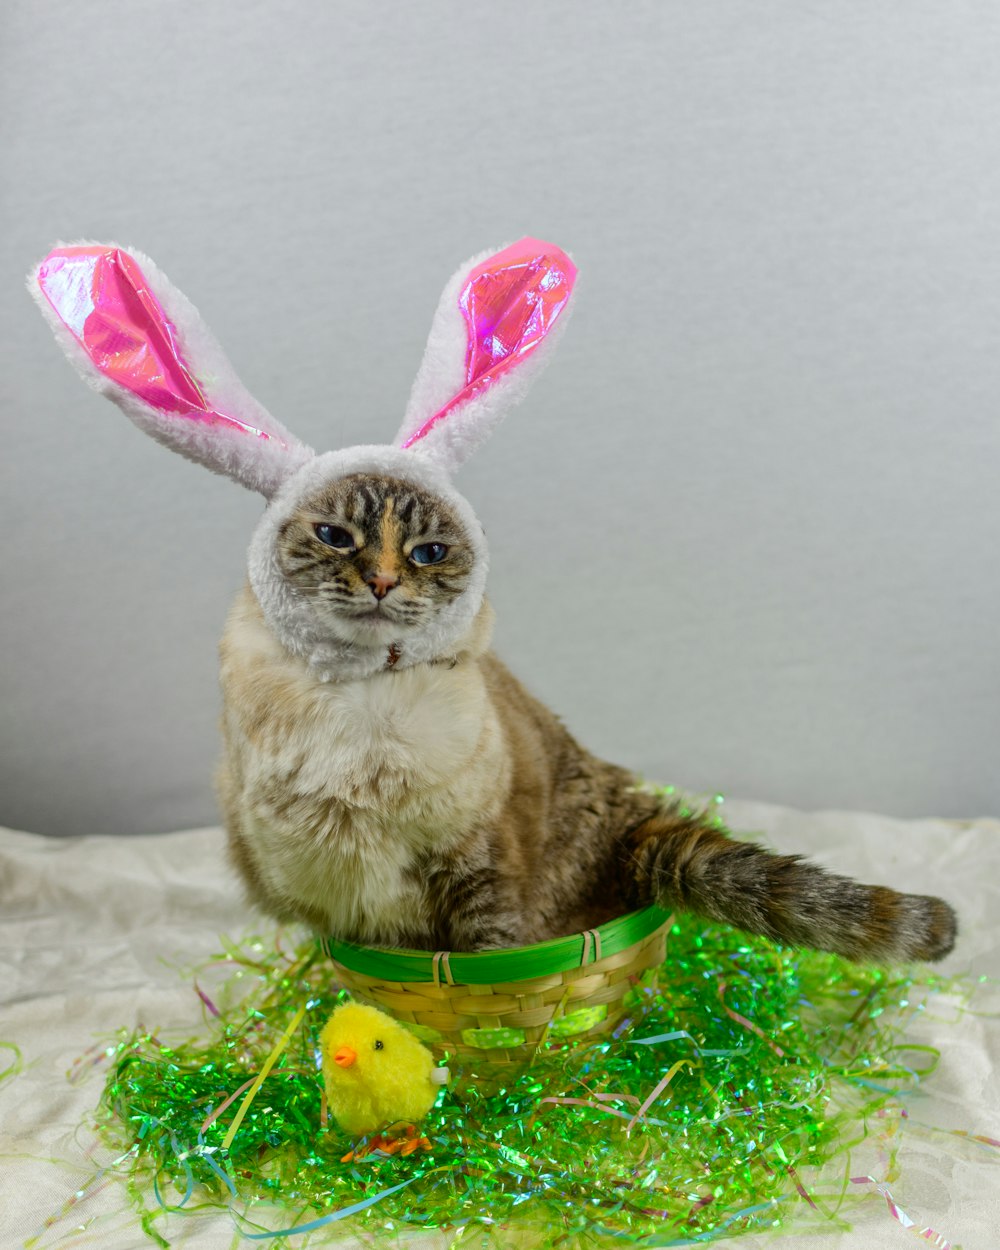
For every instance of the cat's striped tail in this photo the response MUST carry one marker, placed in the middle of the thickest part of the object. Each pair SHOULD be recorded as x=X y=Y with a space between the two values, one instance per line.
x=685 y=862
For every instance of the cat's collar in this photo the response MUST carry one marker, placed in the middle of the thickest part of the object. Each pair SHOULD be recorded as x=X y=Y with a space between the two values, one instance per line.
x=394 y=654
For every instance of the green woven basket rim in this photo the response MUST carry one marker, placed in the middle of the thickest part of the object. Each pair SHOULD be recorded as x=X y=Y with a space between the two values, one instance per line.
x=519 y=963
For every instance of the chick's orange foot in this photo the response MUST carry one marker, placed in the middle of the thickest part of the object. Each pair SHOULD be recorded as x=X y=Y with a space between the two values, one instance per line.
x=379 y=1144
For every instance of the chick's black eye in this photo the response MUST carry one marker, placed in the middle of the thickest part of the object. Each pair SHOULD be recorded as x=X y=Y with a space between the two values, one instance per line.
x=379 y=1045
x=429 y=553
x=336 y=537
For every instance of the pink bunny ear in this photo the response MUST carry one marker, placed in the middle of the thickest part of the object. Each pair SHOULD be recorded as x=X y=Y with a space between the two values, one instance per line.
x=137 y=340
x=493 y=330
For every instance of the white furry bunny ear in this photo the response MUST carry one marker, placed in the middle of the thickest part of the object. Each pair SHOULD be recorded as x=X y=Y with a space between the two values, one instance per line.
x=492 y=333
x=139 y=341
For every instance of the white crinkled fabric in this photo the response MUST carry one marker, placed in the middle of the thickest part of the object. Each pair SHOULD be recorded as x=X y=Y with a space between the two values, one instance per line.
x=94 y=929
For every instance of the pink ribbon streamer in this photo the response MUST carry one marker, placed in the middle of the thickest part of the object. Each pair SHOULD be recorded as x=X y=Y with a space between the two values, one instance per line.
x=900 y=1216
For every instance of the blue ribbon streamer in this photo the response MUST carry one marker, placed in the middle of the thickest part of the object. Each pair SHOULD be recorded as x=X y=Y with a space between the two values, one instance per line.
x=674 y=1037
x=342 y=1214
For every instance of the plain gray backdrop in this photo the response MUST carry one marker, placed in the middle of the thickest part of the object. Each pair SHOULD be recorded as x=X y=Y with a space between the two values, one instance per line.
x=745 y=528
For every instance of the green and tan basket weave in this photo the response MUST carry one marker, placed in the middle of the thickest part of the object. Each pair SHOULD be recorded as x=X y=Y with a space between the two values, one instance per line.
x=500 y=1007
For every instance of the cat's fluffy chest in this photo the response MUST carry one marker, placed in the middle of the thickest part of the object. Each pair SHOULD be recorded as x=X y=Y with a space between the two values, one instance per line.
x=340 y=788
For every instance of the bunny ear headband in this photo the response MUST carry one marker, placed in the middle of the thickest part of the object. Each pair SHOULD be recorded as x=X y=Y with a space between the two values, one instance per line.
x=136 y=339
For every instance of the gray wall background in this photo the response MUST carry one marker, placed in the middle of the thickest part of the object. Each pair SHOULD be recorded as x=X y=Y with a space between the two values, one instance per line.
x=745 y=529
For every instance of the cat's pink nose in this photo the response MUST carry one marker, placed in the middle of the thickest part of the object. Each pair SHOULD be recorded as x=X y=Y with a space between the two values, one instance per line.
x=381 y=584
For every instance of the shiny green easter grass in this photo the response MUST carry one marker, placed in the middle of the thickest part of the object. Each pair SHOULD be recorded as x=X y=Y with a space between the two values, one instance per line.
x=712 y=1111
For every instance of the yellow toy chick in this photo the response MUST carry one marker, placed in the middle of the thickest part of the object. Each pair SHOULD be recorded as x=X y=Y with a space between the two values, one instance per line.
x=377 y=1074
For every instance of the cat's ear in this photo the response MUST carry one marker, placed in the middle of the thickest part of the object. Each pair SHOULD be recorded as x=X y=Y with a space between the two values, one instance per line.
x=493 y=331
x=136 y=339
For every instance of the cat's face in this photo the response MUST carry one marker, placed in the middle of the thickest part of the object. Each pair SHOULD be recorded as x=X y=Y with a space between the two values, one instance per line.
x=375 y=557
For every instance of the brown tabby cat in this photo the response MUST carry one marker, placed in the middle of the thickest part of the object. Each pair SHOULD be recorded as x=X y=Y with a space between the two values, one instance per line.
x=386 y=778
x=439 y=805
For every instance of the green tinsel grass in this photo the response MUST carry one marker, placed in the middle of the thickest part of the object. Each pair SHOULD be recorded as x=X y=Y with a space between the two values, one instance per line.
x=788 y=1055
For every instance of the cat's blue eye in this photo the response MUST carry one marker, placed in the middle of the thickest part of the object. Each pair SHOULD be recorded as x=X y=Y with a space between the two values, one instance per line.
x=336 y=537
x=429 y=553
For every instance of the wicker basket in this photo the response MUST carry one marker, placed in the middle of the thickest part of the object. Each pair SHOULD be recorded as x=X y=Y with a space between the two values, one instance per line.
x=499 y=1007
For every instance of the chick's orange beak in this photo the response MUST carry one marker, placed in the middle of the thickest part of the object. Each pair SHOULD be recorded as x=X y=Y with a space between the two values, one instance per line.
x=345 y=1056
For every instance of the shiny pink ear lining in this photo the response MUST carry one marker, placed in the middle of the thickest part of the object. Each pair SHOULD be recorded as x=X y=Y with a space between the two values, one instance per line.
x=510 y=303
x=102 y=297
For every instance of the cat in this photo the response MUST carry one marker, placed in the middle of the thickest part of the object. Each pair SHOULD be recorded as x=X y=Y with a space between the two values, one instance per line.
x=385 y=778
x=439 y=805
